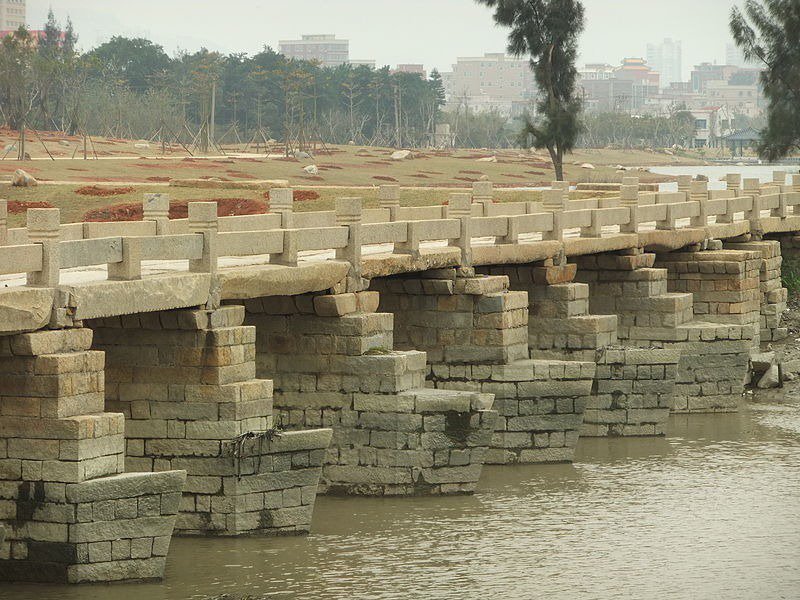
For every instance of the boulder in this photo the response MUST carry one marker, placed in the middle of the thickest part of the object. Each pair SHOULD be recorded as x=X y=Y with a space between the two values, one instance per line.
x=491 y=159
x=311 y=169
x=401 y=155
x=587 y=166
x=23 y=179
x=63 y=143
x=302 y=155
x=770 y=379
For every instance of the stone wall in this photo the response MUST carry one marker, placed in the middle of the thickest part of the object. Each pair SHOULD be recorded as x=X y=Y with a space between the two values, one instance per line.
x=68 y=514
x=475 y=333
x=185 y=381
x=333 y=364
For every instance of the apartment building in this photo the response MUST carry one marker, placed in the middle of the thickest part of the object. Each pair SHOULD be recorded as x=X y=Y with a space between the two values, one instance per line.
x=325 y=49
x=12 y=14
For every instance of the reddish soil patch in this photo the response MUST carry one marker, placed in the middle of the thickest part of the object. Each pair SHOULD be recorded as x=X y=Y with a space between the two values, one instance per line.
x=337 y=167
x=471 y=172
x=384 y=178
x=16 y=207
x=12 y=168
x=159 y=179
x=432 y=172
x=312 y=178
x=535 y=172
x=241 y=175
x=103 y=192
x=226 y=207
x=421 y=176
x=76 y=169
x=381 y=163
x=467 y=179
x=512 y=176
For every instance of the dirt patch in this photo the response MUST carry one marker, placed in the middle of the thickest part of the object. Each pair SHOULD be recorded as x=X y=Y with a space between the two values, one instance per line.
x=513 y=176
x=467 y=179
x=16 y=207
x=159 y=179
x=470 y=172
x=226 y=207
x=384 y=178
x=420 y=176
x=103 y=192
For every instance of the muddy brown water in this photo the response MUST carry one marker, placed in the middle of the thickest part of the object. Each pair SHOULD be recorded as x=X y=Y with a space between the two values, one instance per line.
x=712 y=511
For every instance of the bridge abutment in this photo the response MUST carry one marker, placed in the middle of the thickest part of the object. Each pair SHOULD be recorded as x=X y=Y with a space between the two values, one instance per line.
x=333 y=361
x=185 y=381
x=69 y=512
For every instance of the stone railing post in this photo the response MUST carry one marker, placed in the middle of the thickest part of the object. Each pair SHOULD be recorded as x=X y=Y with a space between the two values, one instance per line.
x=348 y=214
x=483 y=194
x=461 y=209
x=554 y=201
x=203 y=220
x=779 y=177
x=3 y=222
x=131 y=266
x=796 y=182
x=389 y=198
x=698 y=192
x=752 y=187
x=629 y=197
x=684 y=184
x=44 y=229
x=281 y=202
x=563 y=187
x=155 y=207
x=734 y=183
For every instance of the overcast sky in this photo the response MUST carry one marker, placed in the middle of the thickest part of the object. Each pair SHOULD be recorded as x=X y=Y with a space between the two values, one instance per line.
x=432 y=32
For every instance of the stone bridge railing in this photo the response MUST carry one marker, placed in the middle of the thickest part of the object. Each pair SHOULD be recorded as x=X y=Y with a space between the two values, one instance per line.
x=45 y=247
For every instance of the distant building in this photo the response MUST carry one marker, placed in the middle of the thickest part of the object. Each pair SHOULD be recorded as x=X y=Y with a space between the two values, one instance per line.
x=490 y=82
x=363 y=63
x=12 y=14
x=594 y=71
x=618 y=89
x=416 y=69
x=325 y=49
x=667 y=59
x=710 y=125
x=705 y=72
x=734 y=56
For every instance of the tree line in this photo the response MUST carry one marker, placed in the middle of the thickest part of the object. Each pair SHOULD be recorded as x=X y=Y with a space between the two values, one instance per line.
x=133 y=88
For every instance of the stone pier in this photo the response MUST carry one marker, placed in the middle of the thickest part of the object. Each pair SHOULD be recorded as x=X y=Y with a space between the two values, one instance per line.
x=185 y=380
x=333 y=363
x=68 y=512
x=475 y=333
x=633 y=388
x=714 y=356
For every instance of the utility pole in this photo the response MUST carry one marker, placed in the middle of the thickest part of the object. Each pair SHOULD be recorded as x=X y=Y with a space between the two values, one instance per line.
x=212 y=127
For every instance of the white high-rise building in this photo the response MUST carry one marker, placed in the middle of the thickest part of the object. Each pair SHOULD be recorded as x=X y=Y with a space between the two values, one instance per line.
x=734 y=56
x=325 y=49
x=667 y=59
x=12 y=14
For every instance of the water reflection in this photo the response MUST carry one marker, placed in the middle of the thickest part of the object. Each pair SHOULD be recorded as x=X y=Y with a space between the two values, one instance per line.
x=711 y=511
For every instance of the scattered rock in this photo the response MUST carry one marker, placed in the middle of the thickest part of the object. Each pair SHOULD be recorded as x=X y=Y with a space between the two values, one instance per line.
x=483 y=178
x=770 y=379
x=141 y=145
x=587 y=166
x=64 y=143
x=311 y=169
x=491 y=159
x=401 y=155
x=302 y=155
x=761 y=362
x=23 y=179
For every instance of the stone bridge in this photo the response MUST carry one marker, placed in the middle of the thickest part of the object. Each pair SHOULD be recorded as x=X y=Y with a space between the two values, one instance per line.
x=211 y=375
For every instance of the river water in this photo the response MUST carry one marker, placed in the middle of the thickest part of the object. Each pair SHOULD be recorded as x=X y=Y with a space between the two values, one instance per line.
x=711 y=511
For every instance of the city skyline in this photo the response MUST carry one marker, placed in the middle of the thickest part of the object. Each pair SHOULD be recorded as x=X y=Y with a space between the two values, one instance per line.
x=704 y=35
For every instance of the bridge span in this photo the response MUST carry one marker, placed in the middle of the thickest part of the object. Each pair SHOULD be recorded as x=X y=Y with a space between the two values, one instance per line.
x=211 y=375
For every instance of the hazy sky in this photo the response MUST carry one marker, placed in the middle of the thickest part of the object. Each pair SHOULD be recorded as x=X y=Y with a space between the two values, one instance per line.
x=433 y=32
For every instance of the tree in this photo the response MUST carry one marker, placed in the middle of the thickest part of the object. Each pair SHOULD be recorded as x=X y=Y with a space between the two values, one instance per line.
x=770 y=32
x=547 y=31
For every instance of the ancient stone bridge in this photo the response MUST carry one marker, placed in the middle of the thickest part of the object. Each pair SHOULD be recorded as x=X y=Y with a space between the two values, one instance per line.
x=211 y=375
